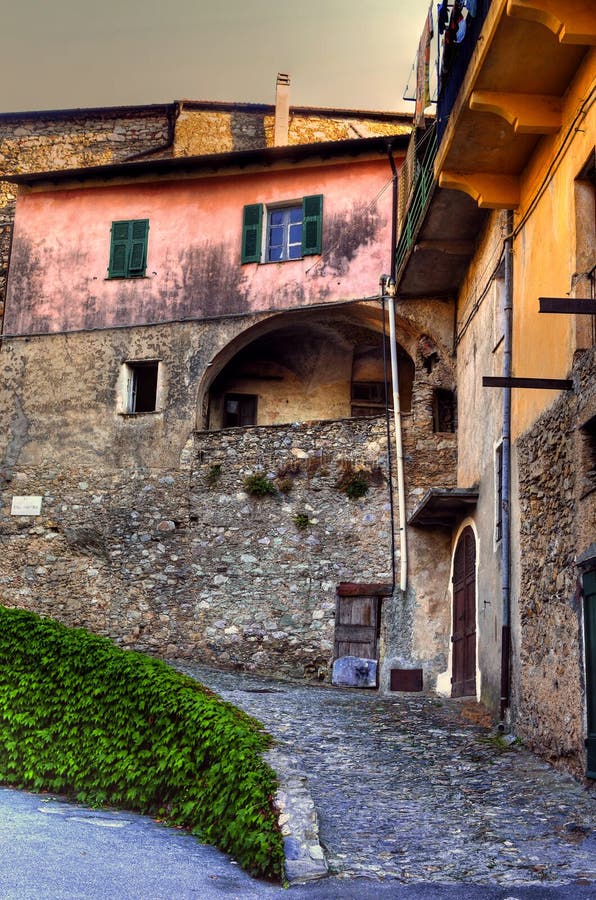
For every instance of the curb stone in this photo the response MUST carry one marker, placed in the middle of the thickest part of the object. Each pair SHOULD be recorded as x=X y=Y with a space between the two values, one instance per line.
x=298 y=821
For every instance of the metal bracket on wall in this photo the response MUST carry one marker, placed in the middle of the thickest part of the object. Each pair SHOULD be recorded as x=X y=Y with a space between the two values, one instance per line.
x=545 y=384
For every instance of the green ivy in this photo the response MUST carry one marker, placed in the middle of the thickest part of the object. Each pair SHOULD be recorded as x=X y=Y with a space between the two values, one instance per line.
x=81 y=717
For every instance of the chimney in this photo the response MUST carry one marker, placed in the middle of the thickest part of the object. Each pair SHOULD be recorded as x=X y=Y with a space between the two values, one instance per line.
x=282 y=110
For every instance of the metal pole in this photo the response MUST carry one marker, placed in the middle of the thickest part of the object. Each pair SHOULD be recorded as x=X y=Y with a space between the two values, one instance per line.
x=506 y=476
x=399 y=453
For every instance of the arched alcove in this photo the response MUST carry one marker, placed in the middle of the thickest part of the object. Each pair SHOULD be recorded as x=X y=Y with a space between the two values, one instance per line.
x=307 y=368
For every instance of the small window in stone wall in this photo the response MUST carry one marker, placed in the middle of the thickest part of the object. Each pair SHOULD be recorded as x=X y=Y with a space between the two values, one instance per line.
x=588 y=432
x=444 y=410
x=142 y=386
x=240 y=410
x=368 y=398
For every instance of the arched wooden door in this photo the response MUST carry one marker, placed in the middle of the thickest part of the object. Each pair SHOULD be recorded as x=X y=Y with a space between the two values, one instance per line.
x=463 y=678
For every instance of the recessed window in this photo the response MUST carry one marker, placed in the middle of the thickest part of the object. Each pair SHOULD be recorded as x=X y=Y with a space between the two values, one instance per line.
x=444 y=410
x=588 y=434
x=499 y=306
x=128 y=248
x=292 y=230
x=368 y=398
x=142 y=386
x=240 y=410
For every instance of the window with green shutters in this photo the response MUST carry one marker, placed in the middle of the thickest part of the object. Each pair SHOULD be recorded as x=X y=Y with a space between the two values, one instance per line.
x=312 y=224
x=251 y=233
x=292 y=230
x=128 y=248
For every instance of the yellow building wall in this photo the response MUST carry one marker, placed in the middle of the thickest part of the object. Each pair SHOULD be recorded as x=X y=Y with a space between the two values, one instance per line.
x=546 y=253
x=479 y=352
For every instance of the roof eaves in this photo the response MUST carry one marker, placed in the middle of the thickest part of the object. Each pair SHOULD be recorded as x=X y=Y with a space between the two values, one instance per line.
x=86 y=112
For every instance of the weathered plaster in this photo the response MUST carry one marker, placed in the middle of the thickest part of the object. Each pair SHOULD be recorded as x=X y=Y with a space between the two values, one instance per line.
x=61 y=247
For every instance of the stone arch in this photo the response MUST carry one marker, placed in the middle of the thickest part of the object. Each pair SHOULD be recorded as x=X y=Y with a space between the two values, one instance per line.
x=306 y=365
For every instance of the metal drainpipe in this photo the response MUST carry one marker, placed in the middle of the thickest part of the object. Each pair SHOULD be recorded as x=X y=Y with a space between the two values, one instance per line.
x=506 y=477
x=391 y=291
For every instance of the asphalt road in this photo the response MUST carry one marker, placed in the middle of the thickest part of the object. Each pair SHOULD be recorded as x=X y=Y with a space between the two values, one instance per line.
x=52 y=850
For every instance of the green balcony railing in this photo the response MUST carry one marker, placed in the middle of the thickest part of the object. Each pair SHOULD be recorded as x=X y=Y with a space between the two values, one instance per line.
x=421 y=191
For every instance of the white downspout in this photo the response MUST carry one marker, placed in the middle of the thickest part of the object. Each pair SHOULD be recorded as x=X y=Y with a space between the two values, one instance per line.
x=388 y=288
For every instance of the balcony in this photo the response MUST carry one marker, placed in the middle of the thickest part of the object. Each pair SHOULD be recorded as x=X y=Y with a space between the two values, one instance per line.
x=453 y=66
x=438 y=229
x=420 y=190
x=502 y=98
x=511 y=97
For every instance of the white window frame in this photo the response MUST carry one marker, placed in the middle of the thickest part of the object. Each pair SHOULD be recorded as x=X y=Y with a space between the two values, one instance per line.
x=127 y=389
x=285 y=209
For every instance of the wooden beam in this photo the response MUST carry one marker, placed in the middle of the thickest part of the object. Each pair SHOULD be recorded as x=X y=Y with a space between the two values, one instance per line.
x=489 y=191
x=568 y=306
x=544 y=384
x=527 y=113
x=572 y=21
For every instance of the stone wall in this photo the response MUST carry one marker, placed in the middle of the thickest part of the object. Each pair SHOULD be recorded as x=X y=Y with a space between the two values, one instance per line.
x=557 y=517
x=186 y=562
x=215 y=128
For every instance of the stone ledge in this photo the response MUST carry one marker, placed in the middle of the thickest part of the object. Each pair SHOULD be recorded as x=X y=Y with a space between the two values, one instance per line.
x=298 y=820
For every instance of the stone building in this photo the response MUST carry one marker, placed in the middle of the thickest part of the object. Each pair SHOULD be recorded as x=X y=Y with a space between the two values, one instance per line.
x=498 y=227
x=196 y=454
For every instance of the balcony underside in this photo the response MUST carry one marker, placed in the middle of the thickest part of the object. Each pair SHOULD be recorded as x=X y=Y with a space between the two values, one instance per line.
x=443 y=246
x=512 y=95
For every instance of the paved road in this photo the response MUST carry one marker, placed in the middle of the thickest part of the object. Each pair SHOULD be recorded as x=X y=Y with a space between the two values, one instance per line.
x=50 y=850
x=408 y=787
x=414 y=805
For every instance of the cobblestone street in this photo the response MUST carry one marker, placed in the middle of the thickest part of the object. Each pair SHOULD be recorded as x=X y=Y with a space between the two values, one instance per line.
x=415 y=788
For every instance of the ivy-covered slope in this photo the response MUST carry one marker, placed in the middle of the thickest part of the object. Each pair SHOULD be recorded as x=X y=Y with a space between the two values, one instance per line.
x=81 y=717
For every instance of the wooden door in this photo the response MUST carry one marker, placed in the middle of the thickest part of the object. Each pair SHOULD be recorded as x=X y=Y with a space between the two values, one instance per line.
x=589 y=588
x=356 y=626
x=464 y=616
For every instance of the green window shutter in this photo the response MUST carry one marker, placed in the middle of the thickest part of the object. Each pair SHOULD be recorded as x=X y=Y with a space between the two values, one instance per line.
x=119 y=249
x=137 y=262
x=312 y=224
x=252 y=222
x=128 y=248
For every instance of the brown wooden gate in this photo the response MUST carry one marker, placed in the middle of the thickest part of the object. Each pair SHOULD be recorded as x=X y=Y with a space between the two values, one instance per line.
x=357 y=619
x=463 y=678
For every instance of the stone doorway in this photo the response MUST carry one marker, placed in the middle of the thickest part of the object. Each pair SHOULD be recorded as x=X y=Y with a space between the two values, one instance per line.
x=463 y=679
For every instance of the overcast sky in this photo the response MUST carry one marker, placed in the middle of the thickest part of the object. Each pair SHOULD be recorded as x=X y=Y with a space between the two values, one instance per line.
x=58 y=54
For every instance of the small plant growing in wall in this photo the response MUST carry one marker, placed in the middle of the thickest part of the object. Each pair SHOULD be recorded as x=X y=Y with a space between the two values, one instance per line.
x=258 y=485
x=301 y=521
x=354 y=483
x=213 y=475
x=284 y=485
x=285 y=475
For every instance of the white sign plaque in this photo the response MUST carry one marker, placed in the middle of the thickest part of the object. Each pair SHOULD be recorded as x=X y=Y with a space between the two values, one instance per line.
x=26 y=506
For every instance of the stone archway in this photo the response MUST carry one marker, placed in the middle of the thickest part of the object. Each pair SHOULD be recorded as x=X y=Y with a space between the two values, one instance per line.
x=296 y=368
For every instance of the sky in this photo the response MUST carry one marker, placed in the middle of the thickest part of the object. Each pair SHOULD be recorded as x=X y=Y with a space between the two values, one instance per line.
x=62 y=54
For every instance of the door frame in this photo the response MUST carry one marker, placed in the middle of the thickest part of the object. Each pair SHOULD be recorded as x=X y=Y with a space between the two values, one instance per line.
x=467 y=523
x=588 y=583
